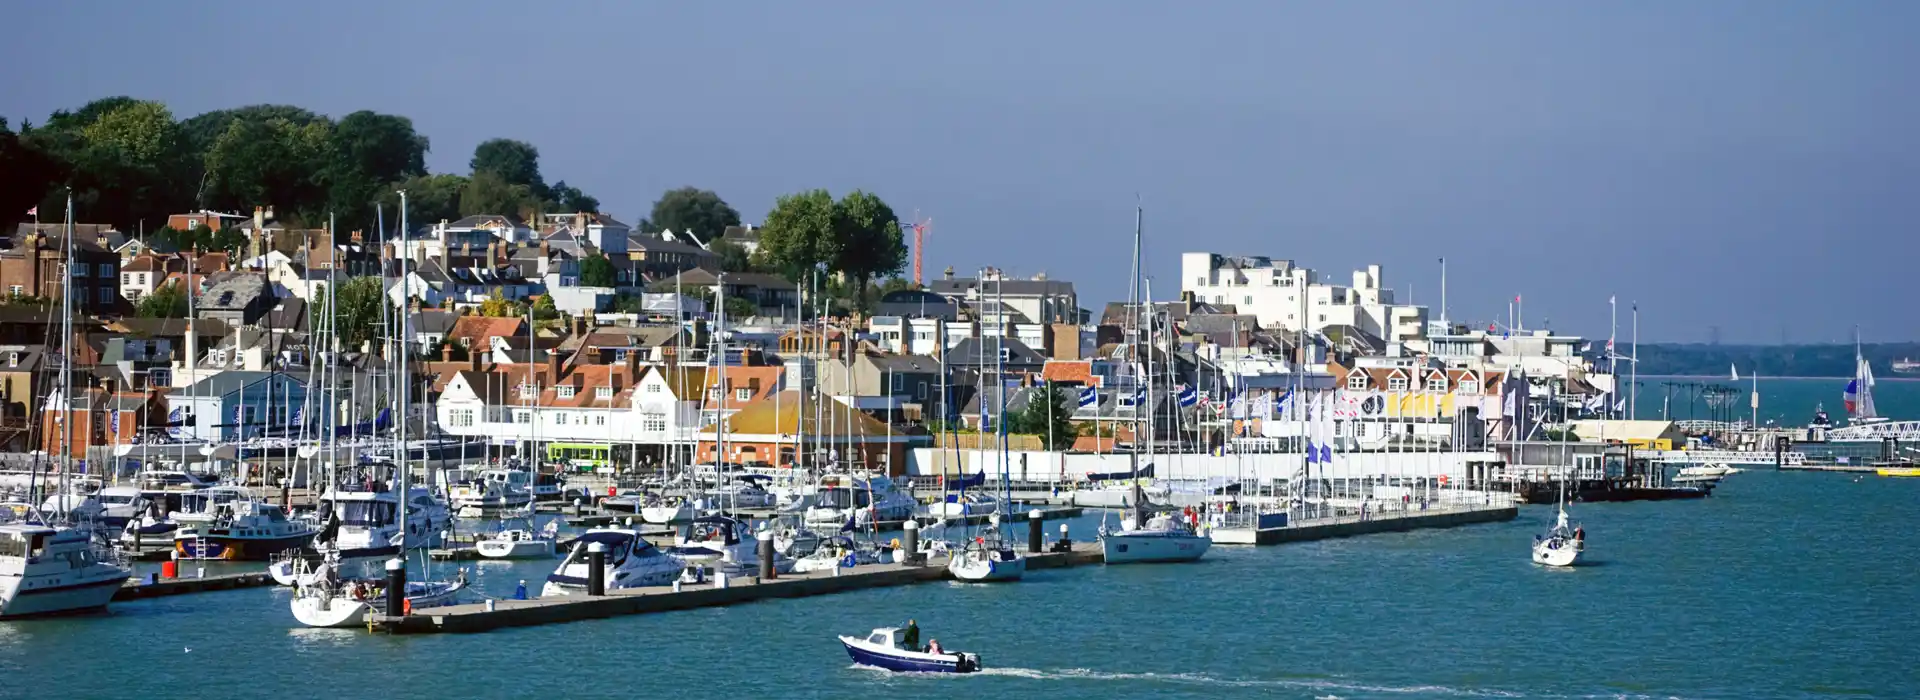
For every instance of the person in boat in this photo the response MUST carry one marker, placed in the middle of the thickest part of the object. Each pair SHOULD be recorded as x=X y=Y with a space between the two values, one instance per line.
x=1580 y=533
x=933 y=647
x=912 y=638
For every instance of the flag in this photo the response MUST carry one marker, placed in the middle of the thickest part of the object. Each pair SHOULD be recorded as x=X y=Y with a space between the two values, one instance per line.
x=299 y=415
x=113 y=420
x=1189 y=396
x=1263 y=406
x=1850 y=397
x=1597 y=403
x=1281 y=404
x=35 y=211
x=174 y=421
x=1089 y=396
x=1140 y=397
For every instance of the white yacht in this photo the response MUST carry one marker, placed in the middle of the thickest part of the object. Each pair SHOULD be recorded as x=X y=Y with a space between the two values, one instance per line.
x=663 y=511
x=50 y=571
x=631 y=562
x=329 y=600
x=1562 y=545
x=119 y=504
x=492 y=492
x=863 y=500
x=1159 y=537
x=963 y=504
x=727 y=543
x=742 y=492
x=987 y=558
x=515 y=543
x=361 y=526
x=75 y=505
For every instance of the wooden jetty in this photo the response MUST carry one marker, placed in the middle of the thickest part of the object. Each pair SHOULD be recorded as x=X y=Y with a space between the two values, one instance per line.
x=201 y=584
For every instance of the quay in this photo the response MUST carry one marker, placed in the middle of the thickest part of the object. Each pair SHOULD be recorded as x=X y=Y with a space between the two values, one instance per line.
x=1307 y=530
x=132 y=590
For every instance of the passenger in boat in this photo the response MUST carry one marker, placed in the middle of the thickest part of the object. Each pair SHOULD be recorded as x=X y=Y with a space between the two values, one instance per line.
x=912 y=637
x=1580 y=533
x=933 y=647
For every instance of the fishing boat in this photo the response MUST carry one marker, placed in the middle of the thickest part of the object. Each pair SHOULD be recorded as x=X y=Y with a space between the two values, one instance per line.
x=244 y=530
x=884 y=648
x=47 y=570
x=631 y=562
x=518 y=543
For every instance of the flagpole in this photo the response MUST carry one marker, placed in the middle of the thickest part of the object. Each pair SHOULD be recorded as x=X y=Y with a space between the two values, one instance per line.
x=1443 y=297
x=1613 y=332
x=1633 y=382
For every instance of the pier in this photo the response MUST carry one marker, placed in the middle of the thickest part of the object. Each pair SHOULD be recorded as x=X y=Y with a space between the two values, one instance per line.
x=1307 y=530
x=133 y=590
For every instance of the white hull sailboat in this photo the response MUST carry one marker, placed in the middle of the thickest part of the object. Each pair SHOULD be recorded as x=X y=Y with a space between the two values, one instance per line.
x=987 y=559
x=1561 y=546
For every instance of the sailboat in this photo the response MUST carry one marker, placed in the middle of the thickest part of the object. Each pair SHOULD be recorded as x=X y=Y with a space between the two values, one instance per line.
x=325 y=598
x=1159 y=536
x=54 y=568
x=1858 y=395
x=988 y=557
x=1562 y=545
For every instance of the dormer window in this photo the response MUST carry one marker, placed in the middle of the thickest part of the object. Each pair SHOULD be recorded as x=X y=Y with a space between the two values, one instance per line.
x=526 y=390
x=13 y=359
x=1006 y=354
x=1396 y=384
x=564 y=391
x=1357 y=381
x=1437 y=383
x=1469 y=386
x=603 y=392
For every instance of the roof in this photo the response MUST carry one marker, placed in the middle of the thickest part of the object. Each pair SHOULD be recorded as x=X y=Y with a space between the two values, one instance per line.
x=703 y=277
x=973 y=351
x=479 y=331
x=959 y=286
x=905 y=363
x=653 y=243
x=289 y=314
x=431 y=321
x=1070 y=372
x=1623 y=430
x=235 y=291
x=487 y=221
x=792 y=413
x=233 y=380
x=169 y=327
x=686 y=382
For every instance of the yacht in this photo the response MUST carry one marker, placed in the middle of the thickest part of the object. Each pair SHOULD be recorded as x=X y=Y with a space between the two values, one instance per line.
x=361 y=526
x=1166 y=537
x=243 y=530
x=964 y=504
x=51 y=571
x=863 y=501
x=727 y=543
x=1562 y=545
x=631 y=562
x=120 y=504
x=841 y=551
x=517 y=543
x=492 y=492
x=742 y=492
x=987 y=558
x=326 y=599
x=75 y=505
x=663 y=511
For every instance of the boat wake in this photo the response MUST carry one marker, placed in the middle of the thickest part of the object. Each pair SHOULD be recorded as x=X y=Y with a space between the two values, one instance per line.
x=1323 y=688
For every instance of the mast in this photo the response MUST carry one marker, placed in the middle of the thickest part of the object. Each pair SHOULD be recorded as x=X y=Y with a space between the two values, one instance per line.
x=400 y=380
x=1000 y=382
x=66 y=366
x=1134 y=297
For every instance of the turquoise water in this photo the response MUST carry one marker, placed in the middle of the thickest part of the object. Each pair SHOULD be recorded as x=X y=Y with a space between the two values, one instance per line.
x=1782 y=585
x=1786 y=402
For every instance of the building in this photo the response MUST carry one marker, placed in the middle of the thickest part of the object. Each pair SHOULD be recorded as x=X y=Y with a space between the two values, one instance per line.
x=998 y=301
x=772 y=295
x=1283 y=295
x=654 y=257
x=790 y=424
x=476 y=231
x=101 y=416
x=237 y=299
x=36 y=265
x=238 y=404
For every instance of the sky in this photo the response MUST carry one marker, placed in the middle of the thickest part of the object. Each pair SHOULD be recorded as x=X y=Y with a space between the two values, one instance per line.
x=1746 y=170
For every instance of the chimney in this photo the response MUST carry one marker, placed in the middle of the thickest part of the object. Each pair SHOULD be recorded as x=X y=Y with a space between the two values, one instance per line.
x=553 y=366
x=580 y=222
x=355 y=236
x=579 y=325
x=493 y=248
x=101 y=240
x=446 y=352
x=949 y=273
x=543 y=249
x=633 y=365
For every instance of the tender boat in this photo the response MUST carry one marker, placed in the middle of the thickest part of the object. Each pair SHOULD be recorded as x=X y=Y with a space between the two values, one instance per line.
x=517 y=544
x=883 y=649
x=631 y=562
x=53 y=571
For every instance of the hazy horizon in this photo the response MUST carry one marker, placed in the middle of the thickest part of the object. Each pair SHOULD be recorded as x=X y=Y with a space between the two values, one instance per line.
x=1742 y=165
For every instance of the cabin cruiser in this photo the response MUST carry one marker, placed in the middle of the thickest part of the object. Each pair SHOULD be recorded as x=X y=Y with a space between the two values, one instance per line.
x=841 y=551
x=1703 y=473
x=206 y=505
x=862 y=501
x=492 y=492
x=631 y=562
x=246 y=529
x=886 y=648
x=518 y=543
x=76 y=505
x=964 y=504
x=173 y=480
x=361 y=525
x=725 y=542
x=53 y=570
x=120 y=504
x=659 y=510
x=743 y=492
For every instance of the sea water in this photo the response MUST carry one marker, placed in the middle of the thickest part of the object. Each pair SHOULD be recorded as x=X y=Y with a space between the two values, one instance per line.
x=1781 y=585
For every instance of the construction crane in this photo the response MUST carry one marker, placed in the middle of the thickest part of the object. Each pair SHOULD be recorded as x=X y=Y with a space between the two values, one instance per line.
x=919 y=244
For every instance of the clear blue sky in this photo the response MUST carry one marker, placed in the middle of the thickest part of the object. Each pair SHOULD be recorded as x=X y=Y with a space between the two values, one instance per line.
x=1746 y=164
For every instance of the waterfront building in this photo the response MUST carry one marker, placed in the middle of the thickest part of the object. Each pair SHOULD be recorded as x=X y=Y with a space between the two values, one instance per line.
x=1283 y=295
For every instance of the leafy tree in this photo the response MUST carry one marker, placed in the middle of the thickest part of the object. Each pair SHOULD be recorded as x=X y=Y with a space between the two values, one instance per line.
x=274 y=162
x=1047 y=414
x=567 y=198
x=497 y=305
x=543 y=308
x=228 y=239
x=597 y=271
x=430 y=199
x=699 y=212
x=120 y=157
x=798 y=236
x=358 y=310
x=741 y=308
x=27 y=175
x=369 y=152
x=488 y=193
x=169 y=301
x=734 y=258
x=869 y=240
x=514 y=162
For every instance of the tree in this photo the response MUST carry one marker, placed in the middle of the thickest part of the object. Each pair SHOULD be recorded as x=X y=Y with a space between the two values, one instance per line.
x=430 y=199
x=869 y=240
x=497 y=305
x=596 y=271
x=169 y=301
x=488 y=193
x=357 y=309
x=567 y=198
x=274 y=162
x=798 y=236
x=370 y=151
x=734 y=258
x=543 y=308
x=741 y=308
x=514 y=162
x=1047 y=414
x=692 y=211
x=27 y=175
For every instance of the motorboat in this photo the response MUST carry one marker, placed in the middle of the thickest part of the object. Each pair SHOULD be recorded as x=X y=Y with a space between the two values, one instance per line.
x=743 y=492
x=963 y=504
x=864 y=501
x=987 y=558
x=839 y=551
x=243 y=530
x=665 y=511
x=548 y=487
x=119 y=504
x=208 y=504
x=1703 y=473
x=150 y=529
x=493 y=492
x=517 y=543
x=53 y=571
x=725 y=542
x=173 y=480
x=332 y=601
x=884 y=648
x=631 y=562
x=76 y=505
x=1562 y=545
x=361 y=525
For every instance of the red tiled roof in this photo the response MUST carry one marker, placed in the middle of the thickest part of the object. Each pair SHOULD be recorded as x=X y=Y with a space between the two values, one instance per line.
x=479 y=331
x=1070 y=372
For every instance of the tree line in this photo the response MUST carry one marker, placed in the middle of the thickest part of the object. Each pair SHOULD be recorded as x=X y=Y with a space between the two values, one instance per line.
x=130 y=163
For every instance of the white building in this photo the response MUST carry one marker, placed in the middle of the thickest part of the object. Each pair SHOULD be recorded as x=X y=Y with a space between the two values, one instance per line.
x=590 y=404
x=474 y=231
x=1285 y=296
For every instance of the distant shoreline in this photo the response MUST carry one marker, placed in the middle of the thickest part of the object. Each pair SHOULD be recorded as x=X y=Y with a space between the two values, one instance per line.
x=1765 y=377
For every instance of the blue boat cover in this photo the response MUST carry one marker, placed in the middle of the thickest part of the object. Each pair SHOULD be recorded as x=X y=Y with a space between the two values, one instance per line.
x=1145 y=472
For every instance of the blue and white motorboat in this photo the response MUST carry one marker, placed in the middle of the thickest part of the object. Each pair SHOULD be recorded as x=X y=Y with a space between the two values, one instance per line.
x=631 y=562
x=884 y=648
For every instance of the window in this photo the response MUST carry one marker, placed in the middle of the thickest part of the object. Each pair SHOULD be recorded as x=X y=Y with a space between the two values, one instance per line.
x=559 y=418
x=1469 y=386
x=564 y=391
x=460 y=418
x=159 y=377
x=1396 y=383
x=1437 y=383
x=79 y=269
x=16 y=290
x=523 y=417
x=107 y=295
x=526 y=390
x=1199 y=281
x=743 y=394
x=1006 y=354
x=653 y=422
x=105 y=271
x=603 y=392
x=1357 y=380
x=600 y=419
x=653 y=388
x=1246 y=300
x=126 y=278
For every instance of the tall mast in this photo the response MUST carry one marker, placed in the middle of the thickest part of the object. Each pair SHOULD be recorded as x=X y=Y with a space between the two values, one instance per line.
x=67 y=355
x=400 y=380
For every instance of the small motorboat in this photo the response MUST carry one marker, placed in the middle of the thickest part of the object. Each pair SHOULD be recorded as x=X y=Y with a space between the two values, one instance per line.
x=884 y=648
x=516 y=544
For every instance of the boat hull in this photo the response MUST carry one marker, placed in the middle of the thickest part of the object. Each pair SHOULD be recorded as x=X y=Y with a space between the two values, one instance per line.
x=1603 y=491
x=521 y=549
x=18 y=601
x=1550 y=553
x=225 y=548
x=1125 y=548
x=1909 y=472
x=908 y=662
x=984 y=569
